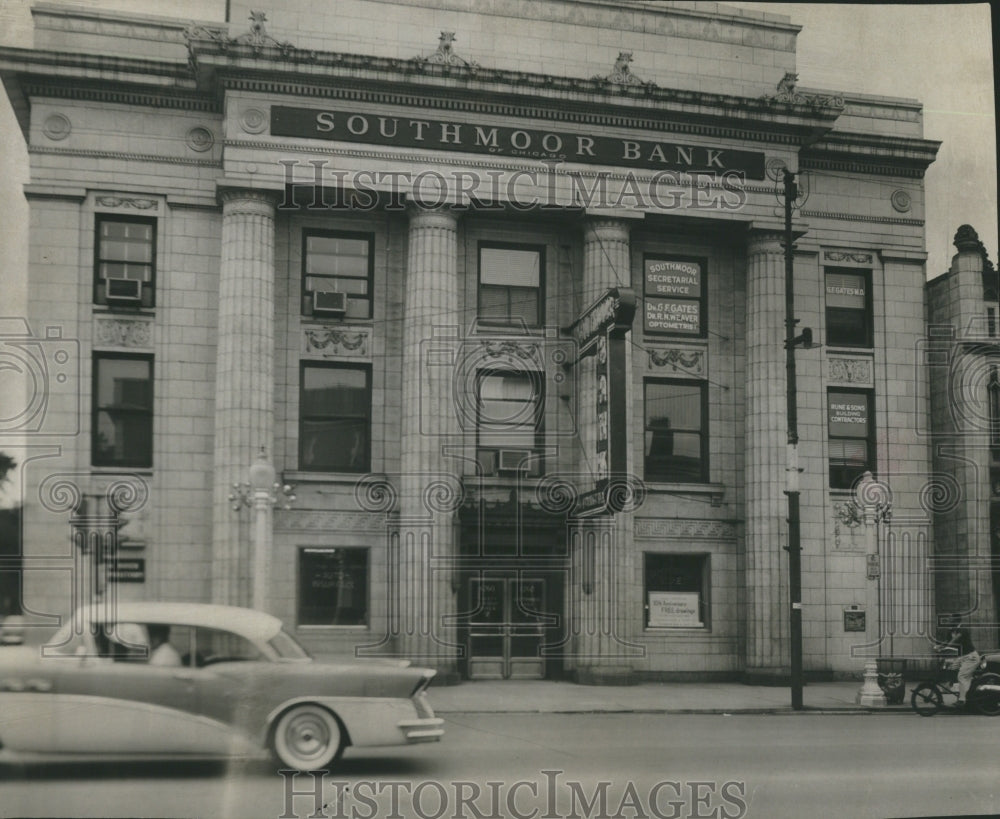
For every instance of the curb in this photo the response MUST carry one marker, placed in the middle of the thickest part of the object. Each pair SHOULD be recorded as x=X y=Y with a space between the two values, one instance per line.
x=725 y=712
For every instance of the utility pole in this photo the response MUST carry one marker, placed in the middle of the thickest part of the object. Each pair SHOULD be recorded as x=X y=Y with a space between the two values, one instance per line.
x=792 y=484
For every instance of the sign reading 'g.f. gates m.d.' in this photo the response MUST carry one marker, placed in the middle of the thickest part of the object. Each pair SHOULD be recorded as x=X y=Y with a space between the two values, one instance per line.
x=411 y=132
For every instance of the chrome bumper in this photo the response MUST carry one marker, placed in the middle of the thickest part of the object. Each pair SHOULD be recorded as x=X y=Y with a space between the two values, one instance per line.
x=422 y=730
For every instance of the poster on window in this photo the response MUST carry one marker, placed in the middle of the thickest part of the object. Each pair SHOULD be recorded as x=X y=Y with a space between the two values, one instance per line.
x=672 y=289
x=674 y=609
x=848 y=414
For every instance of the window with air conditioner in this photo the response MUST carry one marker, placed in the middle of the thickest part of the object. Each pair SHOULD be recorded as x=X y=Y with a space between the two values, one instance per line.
x=337 y=274
x=509 y=412
x=125 y=261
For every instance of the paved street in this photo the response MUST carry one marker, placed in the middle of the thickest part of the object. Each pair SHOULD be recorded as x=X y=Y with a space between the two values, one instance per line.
x=671 y=765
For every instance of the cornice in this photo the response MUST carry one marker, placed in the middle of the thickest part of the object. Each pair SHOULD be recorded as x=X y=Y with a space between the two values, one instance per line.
x=122 y=94
x=871 y=154
x=124 y=155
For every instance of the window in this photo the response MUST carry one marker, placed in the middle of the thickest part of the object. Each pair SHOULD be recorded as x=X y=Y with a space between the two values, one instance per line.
x=122 y=410
x=677 y=590
x=214 y=645
x=510 y=284
x=993 y=407
x=851 y=436
x=124 y=261
x=848 y=308
x=676 y=445
x=338 y=263
x=674 y=296
x=509 y=422
x=335 y=418
x=333 y=587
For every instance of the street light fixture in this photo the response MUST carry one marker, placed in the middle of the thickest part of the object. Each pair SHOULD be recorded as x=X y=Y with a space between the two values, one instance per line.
x=263 y=493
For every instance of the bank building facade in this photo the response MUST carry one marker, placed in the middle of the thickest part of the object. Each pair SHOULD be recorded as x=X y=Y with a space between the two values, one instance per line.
x=456 y=333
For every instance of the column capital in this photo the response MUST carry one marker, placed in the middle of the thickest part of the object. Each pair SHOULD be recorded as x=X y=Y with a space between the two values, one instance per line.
x=443 y=218
x=248 y=200
x=597 y=228
x=765 y=242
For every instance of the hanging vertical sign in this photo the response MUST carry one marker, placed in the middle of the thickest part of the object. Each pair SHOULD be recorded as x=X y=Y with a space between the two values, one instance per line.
x=601 y=332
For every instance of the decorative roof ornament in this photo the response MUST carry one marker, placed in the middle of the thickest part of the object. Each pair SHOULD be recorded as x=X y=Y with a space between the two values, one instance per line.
x=786 y=92
x=257 y=38
x=445 y=54
x=967 y=241
x=622 y=75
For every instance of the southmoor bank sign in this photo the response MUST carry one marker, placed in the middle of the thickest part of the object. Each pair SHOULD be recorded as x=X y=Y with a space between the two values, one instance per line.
x=352 y=126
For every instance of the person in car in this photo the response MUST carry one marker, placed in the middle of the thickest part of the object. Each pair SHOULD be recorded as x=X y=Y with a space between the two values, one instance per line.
x=161 y=652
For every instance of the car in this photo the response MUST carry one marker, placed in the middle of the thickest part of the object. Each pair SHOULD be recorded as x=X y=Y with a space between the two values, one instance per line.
x=230 y=682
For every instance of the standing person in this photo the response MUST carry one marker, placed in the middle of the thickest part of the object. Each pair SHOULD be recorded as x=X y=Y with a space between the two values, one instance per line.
x=161 y=652
x=968 y=657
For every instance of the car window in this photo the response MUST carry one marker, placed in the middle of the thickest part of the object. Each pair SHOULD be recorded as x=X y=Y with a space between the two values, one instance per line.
x=287 y=647
x=217 y=646
x=123 y=642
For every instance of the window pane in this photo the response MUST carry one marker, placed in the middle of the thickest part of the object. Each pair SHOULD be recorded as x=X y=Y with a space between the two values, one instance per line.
x=334 y=424
x=674 y=440
x=523 y=305
x=336 y=255
x=493 y=302
x=333 y=587
x=676 y=589
x=358 y=308
x=509 y=267
x=123 y=412
x=848 y=414
x=845 y=290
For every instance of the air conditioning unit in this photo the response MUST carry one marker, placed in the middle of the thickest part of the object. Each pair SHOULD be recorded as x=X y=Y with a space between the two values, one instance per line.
x=513 y=460
x=124 y=291
x=329 y=303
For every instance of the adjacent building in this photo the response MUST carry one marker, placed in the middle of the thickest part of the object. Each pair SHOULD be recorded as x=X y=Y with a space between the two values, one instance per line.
x=498 y=292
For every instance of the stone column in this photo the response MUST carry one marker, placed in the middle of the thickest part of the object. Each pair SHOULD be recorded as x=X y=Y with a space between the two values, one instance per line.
x=602 y=555
x=766 y=430
x=430 y=482
x=244 y=378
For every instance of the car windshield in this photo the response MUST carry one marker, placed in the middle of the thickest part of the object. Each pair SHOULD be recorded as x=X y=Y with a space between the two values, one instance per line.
x=287 y=647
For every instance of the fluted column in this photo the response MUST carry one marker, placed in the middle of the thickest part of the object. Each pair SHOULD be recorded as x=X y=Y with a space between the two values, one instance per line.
x=766 y=429
x=602 y=556
x=430 y=483
x=244 y=378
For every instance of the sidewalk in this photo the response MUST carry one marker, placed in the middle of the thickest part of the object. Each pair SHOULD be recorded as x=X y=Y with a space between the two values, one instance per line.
x=550 y=697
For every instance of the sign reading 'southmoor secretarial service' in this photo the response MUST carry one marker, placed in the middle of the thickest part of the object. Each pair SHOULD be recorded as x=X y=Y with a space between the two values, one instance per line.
x=440 y=135
x=672 y=302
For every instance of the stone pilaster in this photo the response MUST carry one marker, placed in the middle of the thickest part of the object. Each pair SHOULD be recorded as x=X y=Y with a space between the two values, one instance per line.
x=766 y=429
x=430 y=482
x=244 y=380
x=602 y=558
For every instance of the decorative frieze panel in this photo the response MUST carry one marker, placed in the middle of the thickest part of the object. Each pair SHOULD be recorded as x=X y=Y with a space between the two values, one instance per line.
x=57 y=127
x=850 y=371
x=678 y=361
x=119 y=332
x=848 y=258
x=136 y=202
x=306 y=521
x=336 y=342
x=684 y=529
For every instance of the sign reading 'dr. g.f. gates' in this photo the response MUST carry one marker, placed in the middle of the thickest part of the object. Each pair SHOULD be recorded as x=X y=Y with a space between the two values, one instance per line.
x=501 y=140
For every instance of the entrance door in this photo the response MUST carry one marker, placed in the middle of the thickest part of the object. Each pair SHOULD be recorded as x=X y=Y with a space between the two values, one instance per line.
x=506 y=628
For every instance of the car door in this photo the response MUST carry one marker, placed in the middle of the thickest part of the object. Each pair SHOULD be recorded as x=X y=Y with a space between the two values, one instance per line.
x=123 y=704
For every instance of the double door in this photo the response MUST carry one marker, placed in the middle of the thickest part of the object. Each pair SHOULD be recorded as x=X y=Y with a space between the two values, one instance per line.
x=507 y=623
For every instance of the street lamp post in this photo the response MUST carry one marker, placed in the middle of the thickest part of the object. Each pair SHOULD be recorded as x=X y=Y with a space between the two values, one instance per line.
x=262 y=494
x=792 y=485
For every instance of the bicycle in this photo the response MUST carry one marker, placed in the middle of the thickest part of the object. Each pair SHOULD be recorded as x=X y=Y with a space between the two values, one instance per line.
x=931 y=695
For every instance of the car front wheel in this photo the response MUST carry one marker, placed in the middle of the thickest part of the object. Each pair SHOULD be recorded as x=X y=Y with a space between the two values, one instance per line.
x=307 y=738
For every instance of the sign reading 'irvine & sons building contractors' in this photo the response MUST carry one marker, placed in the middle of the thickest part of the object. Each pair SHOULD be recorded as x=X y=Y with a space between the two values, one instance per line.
x=352 y=126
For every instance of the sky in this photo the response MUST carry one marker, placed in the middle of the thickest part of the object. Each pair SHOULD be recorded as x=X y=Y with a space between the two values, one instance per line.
x=941 y=55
